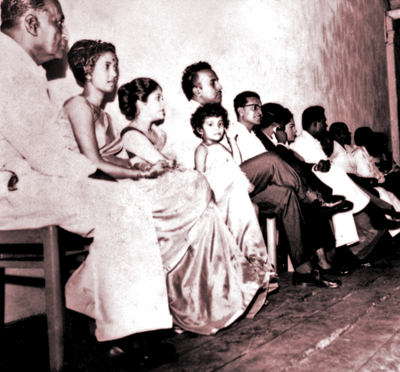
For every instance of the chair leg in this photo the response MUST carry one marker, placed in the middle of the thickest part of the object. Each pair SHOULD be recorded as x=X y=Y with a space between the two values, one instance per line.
x=271 y=241
x=54 y=298
x=290 y=267
x=2 y=302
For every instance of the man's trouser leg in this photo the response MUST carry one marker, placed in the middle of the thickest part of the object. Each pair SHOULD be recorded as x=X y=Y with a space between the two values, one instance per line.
x=318 y=228
x=267 y=169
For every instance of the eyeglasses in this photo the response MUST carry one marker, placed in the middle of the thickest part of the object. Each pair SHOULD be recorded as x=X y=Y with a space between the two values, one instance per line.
x=256 y=107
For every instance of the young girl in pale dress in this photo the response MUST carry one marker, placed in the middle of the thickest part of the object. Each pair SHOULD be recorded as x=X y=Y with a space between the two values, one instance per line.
x=230 y=185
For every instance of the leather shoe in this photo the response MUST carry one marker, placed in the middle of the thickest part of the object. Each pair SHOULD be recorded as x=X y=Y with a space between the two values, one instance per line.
x=149 y=356
x=392 y=223
x=331 y=203
x=314 y=278
x=347 y=206
x=336 y=271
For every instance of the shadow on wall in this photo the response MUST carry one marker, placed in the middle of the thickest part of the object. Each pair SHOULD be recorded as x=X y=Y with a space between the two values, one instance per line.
x=57 y=69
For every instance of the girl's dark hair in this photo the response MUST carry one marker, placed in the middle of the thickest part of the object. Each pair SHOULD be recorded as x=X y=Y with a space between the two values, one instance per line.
x=83 y=55
x=208 y=110
x=137 y=90
x=274 y=113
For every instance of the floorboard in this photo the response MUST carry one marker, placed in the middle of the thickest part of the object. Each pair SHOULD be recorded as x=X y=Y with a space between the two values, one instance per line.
x=354 y=328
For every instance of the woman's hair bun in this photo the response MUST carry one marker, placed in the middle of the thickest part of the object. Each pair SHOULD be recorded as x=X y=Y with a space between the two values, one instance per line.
x=130 y=93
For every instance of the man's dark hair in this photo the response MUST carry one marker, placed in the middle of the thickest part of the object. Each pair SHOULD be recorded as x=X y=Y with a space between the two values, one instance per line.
x=208 y=110
x=326 y=140
x=83 y=55
x=190 y=77
x=363 y=136
x=274 y=113
x=241 y=100
x=337 y=127
x=312 y=114
x=13 y=10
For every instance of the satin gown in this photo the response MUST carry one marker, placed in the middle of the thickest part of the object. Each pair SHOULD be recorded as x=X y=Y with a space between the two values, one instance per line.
x=210 y=282
x=231 y=190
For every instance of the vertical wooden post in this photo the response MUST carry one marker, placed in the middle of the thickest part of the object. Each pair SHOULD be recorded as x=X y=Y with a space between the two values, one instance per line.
x=54 y=298
x=271 y=241
x=392 y=86
x=2 y=303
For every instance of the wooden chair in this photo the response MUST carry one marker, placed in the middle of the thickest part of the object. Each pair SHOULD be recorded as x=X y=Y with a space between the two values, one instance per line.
x=49 y=259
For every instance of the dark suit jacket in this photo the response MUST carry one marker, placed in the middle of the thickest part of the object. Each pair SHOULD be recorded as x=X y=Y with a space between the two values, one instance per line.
x=303 y=169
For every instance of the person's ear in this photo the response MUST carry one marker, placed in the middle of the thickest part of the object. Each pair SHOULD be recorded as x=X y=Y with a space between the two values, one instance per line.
x=196 y=91
x=140 y=105
x=200 y=131
x=31 y=24
x=241 y=111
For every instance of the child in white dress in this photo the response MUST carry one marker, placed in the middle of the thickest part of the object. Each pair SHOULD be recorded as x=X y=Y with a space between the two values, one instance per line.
x=230 y=185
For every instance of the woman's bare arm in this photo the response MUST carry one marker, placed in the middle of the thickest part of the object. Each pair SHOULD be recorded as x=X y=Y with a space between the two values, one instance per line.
x=82 y=122
x=138 y=144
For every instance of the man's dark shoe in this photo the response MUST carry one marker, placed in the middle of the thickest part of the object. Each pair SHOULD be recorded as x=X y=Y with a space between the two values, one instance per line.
x=315 y=278
x=392 y=223
x=345 y=207
x=330 y=203
x=344 y=257
x=337 y=271
x=148 y=356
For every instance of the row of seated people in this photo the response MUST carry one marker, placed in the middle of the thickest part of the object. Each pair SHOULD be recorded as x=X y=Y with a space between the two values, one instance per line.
x=233 y=166
x=368 y=161
x=278 y=133
x=171 y=245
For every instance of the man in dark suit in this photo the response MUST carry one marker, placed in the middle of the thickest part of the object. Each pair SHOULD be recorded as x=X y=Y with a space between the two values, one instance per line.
x=276 y=136
x=275 y=131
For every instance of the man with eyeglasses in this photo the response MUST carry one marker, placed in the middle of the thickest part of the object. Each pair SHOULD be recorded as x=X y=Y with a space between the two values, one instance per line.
x=280 y=197
x=248 y=112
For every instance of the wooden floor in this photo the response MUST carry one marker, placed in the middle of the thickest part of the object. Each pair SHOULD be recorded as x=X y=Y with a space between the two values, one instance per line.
x=353 y=328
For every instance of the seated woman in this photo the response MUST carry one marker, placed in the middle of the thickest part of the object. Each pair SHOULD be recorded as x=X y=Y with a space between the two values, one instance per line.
x=379 y=149
x=359 y=165
x=210 y=282
x=375 y=147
